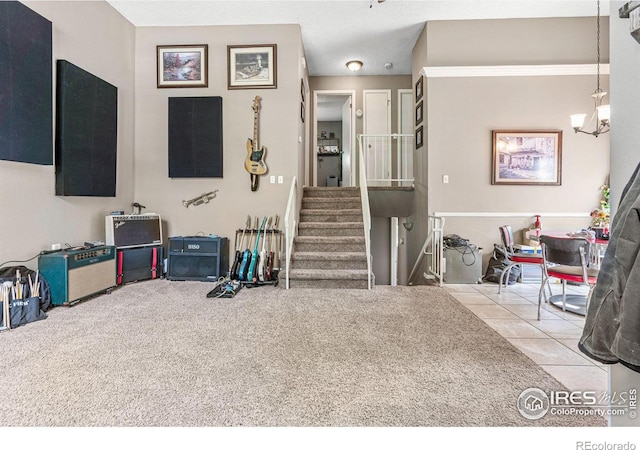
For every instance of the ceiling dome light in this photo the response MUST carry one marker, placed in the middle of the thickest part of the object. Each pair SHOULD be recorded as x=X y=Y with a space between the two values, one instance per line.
x=354 y=65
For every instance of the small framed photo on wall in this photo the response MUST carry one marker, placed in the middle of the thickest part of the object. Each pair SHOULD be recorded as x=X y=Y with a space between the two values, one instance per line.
x=419 y=114
x=419 y=137
x=182 y=66
x=252 y=66
x=419 y=88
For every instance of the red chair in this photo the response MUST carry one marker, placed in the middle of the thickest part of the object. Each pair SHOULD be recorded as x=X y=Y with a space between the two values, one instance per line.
x=567 y=259
x=517 y=259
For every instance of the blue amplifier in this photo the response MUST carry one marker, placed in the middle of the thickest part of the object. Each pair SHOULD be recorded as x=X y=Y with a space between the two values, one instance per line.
x=75 y=274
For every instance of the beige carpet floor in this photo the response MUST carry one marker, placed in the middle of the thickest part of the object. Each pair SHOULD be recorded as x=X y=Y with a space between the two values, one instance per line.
x=159 y=353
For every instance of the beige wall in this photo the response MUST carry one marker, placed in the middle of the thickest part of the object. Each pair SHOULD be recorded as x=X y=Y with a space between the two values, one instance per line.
x=281 y=131
x=415 y=237
x=93 y=36
x=462 y=111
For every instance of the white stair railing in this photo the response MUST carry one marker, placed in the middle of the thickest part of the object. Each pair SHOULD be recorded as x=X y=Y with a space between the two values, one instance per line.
x=378 y=150
x=366 y=212
x=291 y=218
x=433 y=248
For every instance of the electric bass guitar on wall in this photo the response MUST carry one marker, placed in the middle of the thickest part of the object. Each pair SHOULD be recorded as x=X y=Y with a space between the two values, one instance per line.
x=254 y=163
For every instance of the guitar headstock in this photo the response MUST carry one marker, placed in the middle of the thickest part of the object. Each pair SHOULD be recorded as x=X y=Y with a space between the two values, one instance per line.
x=256 y=103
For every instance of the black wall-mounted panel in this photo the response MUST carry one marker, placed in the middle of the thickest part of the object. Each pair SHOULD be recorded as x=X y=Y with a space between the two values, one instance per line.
x=195 y=137
x=26 y=93
x=86 y=133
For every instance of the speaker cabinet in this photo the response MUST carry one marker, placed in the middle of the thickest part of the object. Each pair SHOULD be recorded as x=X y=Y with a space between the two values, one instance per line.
x=137 y=264
x=86 y=133
x=76 y=274
x=197 y=258
x=195 y=137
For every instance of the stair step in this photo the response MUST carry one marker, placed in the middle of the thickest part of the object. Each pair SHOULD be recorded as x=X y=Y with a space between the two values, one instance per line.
x=330 y=215
x=331 y=203
x=329 y=260
x=328 y=244
x=331 y=192
x=331 y=229
x=328 y=279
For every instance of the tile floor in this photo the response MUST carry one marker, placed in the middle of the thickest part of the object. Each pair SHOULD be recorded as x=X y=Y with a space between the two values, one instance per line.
x=552 y=342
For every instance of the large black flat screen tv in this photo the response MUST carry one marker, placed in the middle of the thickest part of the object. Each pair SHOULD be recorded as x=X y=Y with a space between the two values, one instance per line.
x=26 y=93
x=86 y=133
x=195 y=137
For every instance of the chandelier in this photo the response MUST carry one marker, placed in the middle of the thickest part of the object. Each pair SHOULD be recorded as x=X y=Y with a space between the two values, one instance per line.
x=601 y=113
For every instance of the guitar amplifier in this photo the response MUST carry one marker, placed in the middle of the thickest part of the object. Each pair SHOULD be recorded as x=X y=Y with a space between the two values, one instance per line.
x=199 y=258
x=133 y=230
x=76 y=274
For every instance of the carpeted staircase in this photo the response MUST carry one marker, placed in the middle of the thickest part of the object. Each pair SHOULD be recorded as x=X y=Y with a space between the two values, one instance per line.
x=329 y=251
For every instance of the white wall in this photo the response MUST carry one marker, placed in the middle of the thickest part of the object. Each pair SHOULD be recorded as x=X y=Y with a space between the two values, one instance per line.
x=93 y=36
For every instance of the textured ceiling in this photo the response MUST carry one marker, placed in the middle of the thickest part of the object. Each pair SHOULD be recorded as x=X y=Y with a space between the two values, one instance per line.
x=334 y=32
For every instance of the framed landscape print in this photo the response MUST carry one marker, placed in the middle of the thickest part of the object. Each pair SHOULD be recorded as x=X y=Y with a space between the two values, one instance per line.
x=419 y=137
x=181 y=66
x=527 y=157
x=252 y=66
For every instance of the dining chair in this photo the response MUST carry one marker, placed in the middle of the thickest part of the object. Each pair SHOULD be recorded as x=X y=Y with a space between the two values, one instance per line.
x=517 y=259
x=567 y=259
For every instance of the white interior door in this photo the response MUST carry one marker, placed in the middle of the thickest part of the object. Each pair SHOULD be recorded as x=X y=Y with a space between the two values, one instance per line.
x=376 y=124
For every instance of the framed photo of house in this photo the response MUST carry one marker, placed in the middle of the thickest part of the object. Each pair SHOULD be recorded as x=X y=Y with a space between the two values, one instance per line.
x=419 y=88
x=419 y=114
x=419 y=137
x=252 y=66
x=527 y=157
x=182 y=66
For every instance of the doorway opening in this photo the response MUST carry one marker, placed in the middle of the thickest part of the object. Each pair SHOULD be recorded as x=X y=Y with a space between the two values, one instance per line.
x=334 y=138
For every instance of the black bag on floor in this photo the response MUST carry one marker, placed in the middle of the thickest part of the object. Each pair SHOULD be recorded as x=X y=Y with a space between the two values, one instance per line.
x=29 y=308
x=8 y=273
x=497 y=263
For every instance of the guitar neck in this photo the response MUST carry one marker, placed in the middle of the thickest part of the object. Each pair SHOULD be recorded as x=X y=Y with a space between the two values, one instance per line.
x=256 y=130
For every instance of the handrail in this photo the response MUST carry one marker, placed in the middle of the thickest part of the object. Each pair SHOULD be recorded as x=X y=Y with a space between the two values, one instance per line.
x=290 y=225
x=434 y=239
x=366 y=212
x=380 y=167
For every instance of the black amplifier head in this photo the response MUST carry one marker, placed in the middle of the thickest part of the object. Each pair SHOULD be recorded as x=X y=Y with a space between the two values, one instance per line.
x=193 y=244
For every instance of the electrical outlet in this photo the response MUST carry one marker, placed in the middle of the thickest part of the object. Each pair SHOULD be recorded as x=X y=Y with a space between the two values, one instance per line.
x=272 y=179
x=280 y=179
x=56 y=246
x=445 y=179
